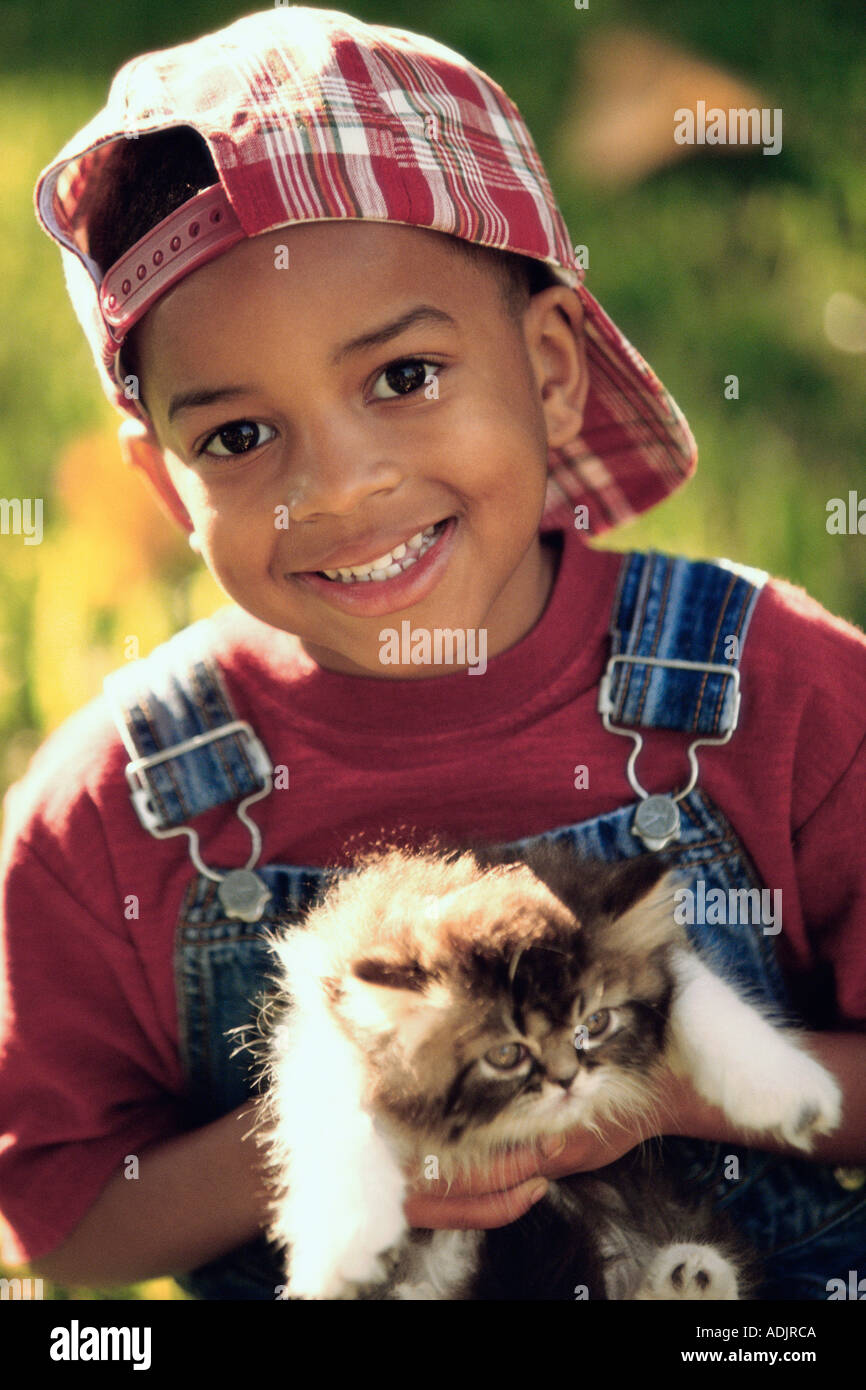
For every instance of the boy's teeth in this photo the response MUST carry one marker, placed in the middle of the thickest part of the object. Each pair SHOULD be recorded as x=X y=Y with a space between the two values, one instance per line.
x=390 y=565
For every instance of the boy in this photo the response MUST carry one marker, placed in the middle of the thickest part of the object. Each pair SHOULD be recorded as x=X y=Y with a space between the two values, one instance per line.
x=321 y=268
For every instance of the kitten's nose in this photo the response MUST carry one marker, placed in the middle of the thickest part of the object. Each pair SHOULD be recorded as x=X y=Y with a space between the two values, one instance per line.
x=562 y=1063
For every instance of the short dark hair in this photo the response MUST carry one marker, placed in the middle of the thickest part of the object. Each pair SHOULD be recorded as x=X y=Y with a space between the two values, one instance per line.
x=519 y=277
x=150 y=177
x=145 y=180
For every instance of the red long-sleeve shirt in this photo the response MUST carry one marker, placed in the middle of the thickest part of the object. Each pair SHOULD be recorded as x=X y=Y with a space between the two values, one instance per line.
x=89 y=1066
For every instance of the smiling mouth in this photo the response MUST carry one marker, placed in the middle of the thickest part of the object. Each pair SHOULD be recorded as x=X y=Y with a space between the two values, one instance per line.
x=388 y=566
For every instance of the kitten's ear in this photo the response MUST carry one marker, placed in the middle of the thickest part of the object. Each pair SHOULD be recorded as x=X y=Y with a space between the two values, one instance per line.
x=641 y=907
x=594 y=887
x=391 y=974
x=628 y=881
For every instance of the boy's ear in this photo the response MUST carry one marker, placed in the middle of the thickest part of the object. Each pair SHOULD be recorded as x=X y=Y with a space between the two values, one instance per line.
x=140 y=449
x=553 y=325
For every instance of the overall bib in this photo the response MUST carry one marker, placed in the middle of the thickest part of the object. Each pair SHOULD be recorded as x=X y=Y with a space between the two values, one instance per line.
x=673 y=665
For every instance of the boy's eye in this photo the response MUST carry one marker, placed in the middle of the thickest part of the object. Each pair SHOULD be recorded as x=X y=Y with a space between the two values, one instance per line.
x=238 y=437
x=404 y=377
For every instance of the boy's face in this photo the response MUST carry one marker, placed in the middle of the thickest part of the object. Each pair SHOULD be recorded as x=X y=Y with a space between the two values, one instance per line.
x=307 y=455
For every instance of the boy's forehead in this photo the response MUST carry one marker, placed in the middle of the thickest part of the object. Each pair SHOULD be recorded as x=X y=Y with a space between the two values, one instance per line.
x=306 y=259
x=334 y=280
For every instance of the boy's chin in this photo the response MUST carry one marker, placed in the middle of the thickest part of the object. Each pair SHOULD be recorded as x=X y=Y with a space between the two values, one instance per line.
x=372 y=664
x=406 y=646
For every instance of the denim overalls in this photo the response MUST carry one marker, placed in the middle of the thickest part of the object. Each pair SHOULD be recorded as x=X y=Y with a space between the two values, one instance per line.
x=678 y=630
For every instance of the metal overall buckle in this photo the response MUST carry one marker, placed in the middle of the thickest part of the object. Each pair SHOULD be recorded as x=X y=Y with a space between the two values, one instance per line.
x=242 y=893
x=657 y=819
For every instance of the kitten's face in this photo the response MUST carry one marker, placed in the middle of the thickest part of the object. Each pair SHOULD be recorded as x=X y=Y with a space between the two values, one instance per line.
x=493 y=1005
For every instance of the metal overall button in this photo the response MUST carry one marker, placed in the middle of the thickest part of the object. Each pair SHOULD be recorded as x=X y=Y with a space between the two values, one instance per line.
x=243 y=895
x=657 y=819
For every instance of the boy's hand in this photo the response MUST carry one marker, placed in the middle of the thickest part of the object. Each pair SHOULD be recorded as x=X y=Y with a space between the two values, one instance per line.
x=486 y=1197
x=501 y=1193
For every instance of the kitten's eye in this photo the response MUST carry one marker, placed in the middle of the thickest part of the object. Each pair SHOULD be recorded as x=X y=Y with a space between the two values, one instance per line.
x=238 y=437
x=506 y=1057
x=598 y=1023
x=404 y=377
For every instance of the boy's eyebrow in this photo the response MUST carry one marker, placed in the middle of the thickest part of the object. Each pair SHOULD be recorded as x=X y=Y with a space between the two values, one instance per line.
x=421 y=313
x=188 y=400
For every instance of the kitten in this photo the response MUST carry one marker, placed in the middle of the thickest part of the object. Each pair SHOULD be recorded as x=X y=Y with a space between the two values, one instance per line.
x=449 y=1006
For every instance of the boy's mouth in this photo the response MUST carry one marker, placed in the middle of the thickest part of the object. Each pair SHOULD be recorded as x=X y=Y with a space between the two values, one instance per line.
x=388 y=566
x=403 y=576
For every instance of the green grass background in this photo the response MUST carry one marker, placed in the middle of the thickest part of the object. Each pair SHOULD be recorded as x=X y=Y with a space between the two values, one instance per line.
x=714 y=267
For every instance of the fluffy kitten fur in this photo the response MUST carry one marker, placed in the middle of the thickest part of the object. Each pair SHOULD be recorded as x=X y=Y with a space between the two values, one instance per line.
x=429 y=1007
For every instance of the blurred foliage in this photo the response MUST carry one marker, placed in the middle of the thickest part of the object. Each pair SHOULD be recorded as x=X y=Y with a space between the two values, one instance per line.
x=151 y=1290
x=711 y=267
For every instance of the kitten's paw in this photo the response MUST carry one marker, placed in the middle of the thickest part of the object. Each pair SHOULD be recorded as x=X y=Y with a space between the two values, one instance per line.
x=688 y=1272
x=758 y=1074
x=340 y=1287
x=357 y=1272
x=818 y=1111
x=804 y=1102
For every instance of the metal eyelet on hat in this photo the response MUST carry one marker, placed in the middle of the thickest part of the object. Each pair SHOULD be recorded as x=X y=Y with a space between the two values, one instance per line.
x=182 y=242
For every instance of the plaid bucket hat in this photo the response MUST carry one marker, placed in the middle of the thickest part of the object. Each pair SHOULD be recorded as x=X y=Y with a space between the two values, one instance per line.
x=312 y=115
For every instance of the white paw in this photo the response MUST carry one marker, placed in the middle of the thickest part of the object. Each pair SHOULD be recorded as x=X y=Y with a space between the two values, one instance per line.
x=799 y=1103
x=359 y=1271
x=688 y=1272
x=755 y=1072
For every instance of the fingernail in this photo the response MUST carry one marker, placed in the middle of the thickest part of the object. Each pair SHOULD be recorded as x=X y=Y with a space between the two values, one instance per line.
x=537 y=1193
x=553 y=1146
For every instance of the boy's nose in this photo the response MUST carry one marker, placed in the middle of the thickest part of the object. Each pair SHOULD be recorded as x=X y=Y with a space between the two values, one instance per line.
x=334 y=477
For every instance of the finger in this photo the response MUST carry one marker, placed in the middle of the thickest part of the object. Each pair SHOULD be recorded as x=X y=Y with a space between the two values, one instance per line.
x=482 y=1213
x=505 y=1170
x=582 y=1151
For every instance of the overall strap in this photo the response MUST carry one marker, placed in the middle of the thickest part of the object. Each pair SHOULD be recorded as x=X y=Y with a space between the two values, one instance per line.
x=189 y=751
x=678 y=629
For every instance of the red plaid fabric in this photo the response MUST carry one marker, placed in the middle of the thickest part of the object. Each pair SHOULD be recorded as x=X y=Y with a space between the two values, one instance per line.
x=312 y=114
